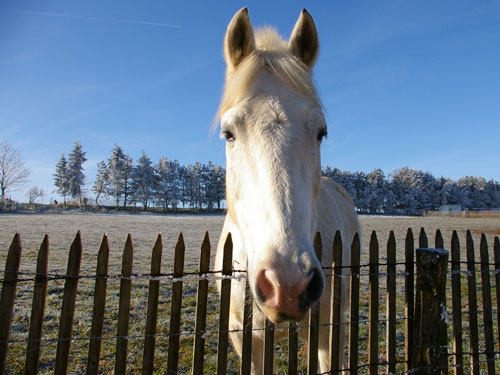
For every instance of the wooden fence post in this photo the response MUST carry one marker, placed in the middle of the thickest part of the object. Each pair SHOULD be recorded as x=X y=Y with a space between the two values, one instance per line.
x=152 y=312
x=313 y=337
x=225 y=301
x=430 y=312
x=99 y=308
x=176 y=307
x=201 y=308
x=68 y=306
x=336 y=347
x=37 y=310
x=124 y=307
x=8 y=297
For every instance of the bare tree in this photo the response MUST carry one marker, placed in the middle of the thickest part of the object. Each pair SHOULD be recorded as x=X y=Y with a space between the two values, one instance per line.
x=34 y=193
x=13 y=173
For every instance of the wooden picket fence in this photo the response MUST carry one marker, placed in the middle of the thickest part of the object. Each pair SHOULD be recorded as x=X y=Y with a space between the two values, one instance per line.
x=426 y=320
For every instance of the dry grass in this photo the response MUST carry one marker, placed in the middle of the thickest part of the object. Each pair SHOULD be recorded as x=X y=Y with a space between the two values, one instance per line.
x=144 y=229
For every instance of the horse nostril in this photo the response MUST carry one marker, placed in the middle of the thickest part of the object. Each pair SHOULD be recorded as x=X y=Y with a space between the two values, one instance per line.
x=264 y=287
x=314 y=289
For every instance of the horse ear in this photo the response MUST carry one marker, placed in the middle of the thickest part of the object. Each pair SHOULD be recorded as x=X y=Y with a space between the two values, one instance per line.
x=304 y=42
x=239 y=41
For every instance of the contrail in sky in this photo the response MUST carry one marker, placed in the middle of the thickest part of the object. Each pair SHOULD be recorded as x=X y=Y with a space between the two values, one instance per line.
x=90 y=18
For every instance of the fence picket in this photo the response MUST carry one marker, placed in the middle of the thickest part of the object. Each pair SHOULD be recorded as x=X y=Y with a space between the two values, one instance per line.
x=373 y=306
x=68 y=306
x=269 y=348
x=225 y=299
x=496 y=247
x=201 y=308
x=124 y=307
x=486 y=293
x=313 y=339
x=471 y=290
x=8 y=297
x=354 y=307
x=99 y=307
x=293 y=343
x=409 y=298
x=37 y=309
x=336 y=347
x=456 y=300
x=176 y=308
x=391 y=304
x=438 y=243
x=423 y=243
x=246 y=347
x=152 y=312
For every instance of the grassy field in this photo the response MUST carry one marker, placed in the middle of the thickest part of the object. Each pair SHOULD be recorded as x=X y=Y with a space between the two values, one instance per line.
x=144 y=229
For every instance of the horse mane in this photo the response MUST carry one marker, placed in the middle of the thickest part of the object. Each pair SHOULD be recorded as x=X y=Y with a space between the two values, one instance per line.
x=271 y=53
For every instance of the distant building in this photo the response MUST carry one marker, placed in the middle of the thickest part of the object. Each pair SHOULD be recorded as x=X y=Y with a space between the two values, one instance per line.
x=450 y=207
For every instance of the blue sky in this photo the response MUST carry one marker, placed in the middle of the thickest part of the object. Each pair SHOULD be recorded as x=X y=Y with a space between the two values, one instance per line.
x=404 y=83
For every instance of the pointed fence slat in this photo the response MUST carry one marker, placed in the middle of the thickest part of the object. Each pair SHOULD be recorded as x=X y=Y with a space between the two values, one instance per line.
x=391 y=304
x=293 y=344
x=176 y=308
x=225 y=296
x=456 y=300
x=201 y=308
x=269 y=348
x=471 y=290
x=354 y=306
x=423 y=243
x=246 y=348
x=8 y=297
x=373 y=309
x=313 y=339
x=438 y=243
x=497 y=284
x=152 y=312
x=68 y=306
x=98 y=310
x=124 y=307
x=409 y=298
x=37 y=309
x=486 y=294
x=336 y=347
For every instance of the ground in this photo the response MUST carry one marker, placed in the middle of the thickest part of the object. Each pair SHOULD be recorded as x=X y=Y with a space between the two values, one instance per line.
x=144 y=229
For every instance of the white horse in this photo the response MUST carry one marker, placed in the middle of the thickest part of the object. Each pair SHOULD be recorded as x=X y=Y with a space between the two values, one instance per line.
x=273 y=122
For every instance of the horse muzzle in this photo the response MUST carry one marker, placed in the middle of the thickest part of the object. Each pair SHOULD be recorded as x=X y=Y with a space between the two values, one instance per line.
x=285 y=293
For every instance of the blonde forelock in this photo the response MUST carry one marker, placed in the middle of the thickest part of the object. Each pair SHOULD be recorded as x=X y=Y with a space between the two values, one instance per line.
x=272 y=54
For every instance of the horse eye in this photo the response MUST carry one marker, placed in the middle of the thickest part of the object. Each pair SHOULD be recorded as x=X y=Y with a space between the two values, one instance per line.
x=228 y=135
x=321 y=134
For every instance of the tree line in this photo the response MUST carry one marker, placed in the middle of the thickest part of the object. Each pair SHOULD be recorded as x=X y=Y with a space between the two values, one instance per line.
x=166 y=184
x=408 y=191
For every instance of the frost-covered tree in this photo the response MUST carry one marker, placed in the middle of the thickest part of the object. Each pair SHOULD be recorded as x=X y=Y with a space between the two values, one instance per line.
x=120 y=170
x=213 y=185
x=61 y=177
x=101 y=182
x=143 y=180
x=75 y=171
x=13 y=173
x=473 y=189
x=168 y=184
x=218 y=185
